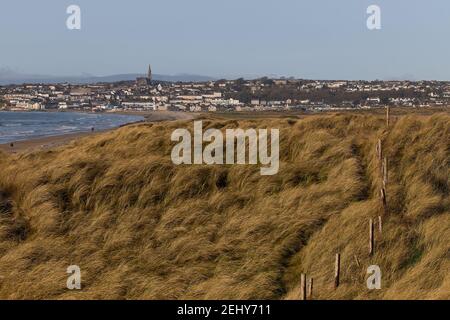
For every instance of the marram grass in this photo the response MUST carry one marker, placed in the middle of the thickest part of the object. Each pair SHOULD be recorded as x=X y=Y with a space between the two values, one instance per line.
x=140 y=227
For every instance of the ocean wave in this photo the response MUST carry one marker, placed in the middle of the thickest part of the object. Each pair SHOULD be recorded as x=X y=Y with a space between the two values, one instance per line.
x=16 y=126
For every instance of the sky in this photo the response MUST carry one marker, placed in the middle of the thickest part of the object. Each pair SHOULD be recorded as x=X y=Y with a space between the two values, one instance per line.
x=314 y=39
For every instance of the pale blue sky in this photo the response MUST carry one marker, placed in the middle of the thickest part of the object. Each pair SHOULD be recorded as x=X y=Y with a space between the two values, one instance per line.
x=325 y=39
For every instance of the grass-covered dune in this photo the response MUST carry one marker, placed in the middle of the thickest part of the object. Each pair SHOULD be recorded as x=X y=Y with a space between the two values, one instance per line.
x=140 y=227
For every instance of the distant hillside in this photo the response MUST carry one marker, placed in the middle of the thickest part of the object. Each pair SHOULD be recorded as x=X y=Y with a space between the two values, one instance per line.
x=10 y=77
x=140 y=227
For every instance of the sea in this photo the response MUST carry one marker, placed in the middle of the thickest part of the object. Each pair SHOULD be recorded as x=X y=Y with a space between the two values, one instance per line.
x=17 y=126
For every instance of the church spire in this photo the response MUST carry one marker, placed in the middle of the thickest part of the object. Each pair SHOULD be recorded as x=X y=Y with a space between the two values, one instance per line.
x=149 y=74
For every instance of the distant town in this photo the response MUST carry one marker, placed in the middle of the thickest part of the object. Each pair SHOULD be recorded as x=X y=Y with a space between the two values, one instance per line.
x=263 y=94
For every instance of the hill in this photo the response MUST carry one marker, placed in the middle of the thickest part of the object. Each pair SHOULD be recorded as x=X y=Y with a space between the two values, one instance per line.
x=140 y=227
x=8 y=76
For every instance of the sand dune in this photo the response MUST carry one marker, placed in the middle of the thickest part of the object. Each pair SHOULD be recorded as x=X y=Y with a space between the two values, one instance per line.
x=141 y=228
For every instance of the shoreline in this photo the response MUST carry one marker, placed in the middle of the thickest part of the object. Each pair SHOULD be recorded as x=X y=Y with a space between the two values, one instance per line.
x=43 y=143
x=50 y=142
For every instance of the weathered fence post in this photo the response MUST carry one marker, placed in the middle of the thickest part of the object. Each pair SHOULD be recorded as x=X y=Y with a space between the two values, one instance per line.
x=387 y=116
x=303 y=286
x=310 y=288
x=380 y=224
x=385 y=172
x=379 y=150
x=383 y=200
x=337 y=270
x=371 y=240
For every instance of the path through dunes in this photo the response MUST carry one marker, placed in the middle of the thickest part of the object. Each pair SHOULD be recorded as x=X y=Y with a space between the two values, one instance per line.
x=140 y=227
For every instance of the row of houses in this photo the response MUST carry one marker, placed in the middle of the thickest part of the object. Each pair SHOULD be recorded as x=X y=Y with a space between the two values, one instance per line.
x=220 y=95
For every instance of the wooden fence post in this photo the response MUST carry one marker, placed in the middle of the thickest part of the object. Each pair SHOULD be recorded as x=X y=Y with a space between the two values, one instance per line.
x=383 y=200
x=385 y=172
x=387 y=116
x=303 y=286
x=380 y=224
x=379 y=150
x=371 y=241
x=310 y=288
x=337 y=270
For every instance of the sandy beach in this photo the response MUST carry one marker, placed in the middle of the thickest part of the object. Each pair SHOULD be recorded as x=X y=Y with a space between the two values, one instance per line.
x=45 y=143
x=41 y=143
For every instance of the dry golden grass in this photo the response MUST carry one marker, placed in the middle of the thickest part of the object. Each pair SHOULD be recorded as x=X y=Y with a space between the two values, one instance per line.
x=141 y=228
